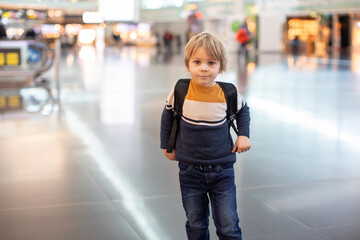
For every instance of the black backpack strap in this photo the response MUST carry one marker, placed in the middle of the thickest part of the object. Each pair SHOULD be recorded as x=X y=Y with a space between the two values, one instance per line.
x=231 y=102
x=180 y=91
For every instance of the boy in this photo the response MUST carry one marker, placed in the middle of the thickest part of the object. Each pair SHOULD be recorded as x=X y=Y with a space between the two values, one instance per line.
x=204 y=147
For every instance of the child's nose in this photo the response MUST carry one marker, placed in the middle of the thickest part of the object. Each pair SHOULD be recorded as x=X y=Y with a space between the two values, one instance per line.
x=204 y=67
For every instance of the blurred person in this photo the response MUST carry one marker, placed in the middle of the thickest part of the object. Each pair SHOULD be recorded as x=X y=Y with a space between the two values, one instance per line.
x=243 y=38
x=2 y=29
x=117 y=39
x=192 y=30
x=157 y=43
x=189 y=34
x=178 y=43
x=310 y=44
x=158 y=40
x=75 y=40
x=295 y=45
x=168 y=37
x=204 y=145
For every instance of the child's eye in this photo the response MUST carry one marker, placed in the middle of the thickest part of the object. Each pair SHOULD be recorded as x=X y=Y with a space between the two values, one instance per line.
x=196 y=62
x=212 y=63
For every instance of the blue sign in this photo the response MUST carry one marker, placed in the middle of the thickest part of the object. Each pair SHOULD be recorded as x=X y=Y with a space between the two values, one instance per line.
x=34 y=55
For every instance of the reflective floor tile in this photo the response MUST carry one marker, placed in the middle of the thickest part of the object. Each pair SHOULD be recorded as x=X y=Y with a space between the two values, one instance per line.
x=260 y=220
x=317 y=204
x=345 y=232
x=87 y=221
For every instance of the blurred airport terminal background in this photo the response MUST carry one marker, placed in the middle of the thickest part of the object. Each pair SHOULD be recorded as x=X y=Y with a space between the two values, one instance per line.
x=83 y=84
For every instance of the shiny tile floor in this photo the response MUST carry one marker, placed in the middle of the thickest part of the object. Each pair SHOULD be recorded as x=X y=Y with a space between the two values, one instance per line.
x=94 y=170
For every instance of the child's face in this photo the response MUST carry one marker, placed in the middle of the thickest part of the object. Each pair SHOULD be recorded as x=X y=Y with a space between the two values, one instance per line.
x=203 y=68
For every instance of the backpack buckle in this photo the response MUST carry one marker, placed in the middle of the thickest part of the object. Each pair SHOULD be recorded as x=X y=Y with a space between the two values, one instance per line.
x=231 y=123
x=232 y=117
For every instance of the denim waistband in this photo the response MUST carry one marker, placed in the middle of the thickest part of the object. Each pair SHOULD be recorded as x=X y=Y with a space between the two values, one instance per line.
x=212 y=166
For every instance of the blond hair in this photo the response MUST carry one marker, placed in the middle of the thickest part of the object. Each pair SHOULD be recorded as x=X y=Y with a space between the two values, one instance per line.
x=211 y=44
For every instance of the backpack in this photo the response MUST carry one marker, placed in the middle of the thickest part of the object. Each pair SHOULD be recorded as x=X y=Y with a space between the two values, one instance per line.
x=242 y=36
x=180 y=92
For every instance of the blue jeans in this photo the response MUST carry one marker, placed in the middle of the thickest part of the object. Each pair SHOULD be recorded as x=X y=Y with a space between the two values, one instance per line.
x=199 y=184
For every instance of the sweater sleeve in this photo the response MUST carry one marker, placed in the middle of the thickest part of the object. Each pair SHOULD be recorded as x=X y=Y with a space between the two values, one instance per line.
x=243 y=118
x=167 y=119
x=165 y=129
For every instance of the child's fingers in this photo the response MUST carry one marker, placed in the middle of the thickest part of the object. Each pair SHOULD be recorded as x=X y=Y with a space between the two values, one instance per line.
x=241 y=149
x=234 y=149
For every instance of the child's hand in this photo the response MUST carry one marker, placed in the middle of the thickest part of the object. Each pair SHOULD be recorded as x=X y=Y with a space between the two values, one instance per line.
x=170 y=156
x=242 y=144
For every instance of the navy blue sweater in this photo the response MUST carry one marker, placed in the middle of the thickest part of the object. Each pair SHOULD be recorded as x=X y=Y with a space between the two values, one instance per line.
x=203 y=136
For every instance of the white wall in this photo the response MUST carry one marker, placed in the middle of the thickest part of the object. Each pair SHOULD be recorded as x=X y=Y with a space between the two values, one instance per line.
x=270 y=32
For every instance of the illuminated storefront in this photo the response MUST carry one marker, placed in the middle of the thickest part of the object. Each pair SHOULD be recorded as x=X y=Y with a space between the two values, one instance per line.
x=134 y=34
x=355 y=39
x=314 y=34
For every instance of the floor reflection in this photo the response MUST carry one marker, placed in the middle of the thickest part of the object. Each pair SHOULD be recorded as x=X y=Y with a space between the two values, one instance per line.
x=128 y=193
